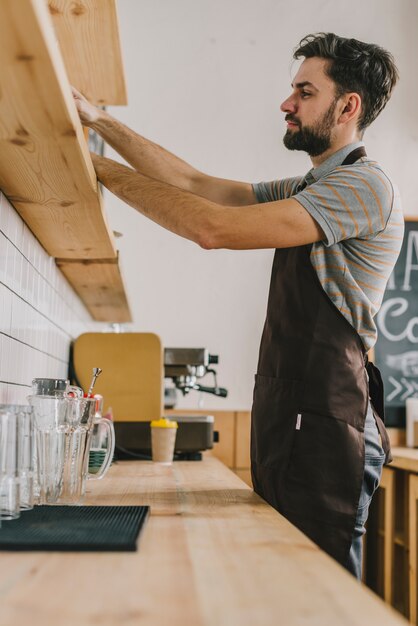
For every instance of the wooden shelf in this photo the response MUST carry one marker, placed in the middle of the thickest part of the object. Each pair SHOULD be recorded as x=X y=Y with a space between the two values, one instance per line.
x=99 y=285
x=90 y=27
x=45 y=167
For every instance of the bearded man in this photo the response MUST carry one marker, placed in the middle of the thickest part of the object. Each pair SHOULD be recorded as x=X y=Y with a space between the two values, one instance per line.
x=318 y=441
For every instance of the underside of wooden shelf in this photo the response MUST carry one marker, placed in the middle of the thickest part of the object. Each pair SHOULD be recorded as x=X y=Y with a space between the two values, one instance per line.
x=45 y=166
x=88 y=35
x=99 y=284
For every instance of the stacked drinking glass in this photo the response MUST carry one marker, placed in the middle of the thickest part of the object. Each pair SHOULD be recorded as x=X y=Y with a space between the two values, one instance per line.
x=17 y=445
x=45 y=447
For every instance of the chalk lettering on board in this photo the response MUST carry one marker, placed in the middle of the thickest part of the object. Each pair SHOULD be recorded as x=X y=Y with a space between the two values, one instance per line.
x=411 y=250
x=396 y=350
x=407 y=362
x=403 y=389
x=396 y=391
x=395 y=307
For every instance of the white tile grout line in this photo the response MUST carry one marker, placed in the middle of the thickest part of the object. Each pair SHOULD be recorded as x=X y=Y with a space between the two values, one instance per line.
x=24 y=343
x=66 y=283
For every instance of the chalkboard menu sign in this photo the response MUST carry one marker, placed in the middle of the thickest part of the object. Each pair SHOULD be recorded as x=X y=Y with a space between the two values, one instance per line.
x=396 y=350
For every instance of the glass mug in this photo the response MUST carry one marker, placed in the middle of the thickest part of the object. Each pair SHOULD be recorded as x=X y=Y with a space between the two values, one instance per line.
x=9 y=465
x=63 y=429
x=55 y=387
x=59 y=387
x=16 y=460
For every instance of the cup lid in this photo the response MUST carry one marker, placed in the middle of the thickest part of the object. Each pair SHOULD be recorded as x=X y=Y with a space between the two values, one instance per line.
x=163 y=422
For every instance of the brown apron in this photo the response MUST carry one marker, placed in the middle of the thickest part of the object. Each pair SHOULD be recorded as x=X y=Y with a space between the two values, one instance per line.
x=310 y=402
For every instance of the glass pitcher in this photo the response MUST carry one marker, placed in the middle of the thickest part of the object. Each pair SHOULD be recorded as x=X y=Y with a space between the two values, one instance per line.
x=63 y=428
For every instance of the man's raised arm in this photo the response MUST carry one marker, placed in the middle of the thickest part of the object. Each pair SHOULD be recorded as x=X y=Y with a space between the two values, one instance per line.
x=280 y=224
x=155 y=162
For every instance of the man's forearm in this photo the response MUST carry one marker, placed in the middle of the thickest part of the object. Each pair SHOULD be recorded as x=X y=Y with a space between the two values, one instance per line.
x=145 y=156
x=279 y=224
x=155 y=162
x=180 y=211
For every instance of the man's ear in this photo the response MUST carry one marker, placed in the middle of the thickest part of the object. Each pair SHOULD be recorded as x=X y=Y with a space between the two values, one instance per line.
x=351 y=108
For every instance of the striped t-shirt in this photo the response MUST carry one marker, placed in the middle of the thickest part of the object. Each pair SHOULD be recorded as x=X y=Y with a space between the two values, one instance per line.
x=360 y=213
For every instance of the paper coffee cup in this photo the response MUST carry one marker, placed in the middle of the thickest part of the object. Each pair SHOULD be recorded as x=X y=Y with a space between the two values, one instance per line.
x=163 y=439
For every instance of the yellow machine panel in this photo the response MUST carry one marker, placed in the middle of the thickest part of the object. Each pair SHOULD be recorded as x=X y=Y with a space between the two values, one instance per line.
x=133 y=372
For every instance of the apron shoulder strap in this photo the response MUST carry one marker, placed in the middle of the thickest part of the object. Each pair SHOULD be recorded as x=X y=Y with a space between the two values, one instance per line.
x=354 y=156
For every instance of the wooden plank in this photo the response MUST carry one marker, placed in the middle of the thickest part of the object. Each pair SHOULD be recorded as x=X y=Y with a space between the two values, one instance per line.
x=224 y=450
x=405 y=459
x=99 y=284
x=413 y=554
x=90 y=27
x=242 y=440
x=397 y=437
x=45 y=167
x=245 y=475
x=212 y=553
x=387 y=484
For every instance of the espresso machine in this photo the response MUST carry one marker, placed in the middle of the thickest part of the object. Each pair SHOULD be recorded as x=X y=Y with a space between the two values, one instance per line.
x=141 y=381
x=182 y=369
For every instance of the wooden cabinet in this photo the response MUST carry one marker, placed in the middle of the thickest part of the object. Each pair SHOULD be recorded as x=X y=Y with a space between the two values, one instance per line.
x=391 y=544
x=233 y=448
x=413 y=555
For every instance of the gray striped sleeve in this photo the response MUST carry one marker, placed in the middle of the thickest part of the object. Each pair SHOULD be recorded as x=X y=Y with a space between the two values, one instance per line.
x=276 y=189
x=353 y=201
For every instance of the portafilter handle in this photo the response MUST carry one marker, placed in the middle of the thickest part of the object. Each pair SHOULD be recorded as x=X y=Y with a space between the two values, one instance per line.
x=216 y=391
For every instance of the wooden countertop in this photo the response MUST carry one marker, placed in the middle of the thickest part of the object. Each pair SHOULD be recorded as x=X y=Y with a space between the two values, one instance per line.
x=211 y=553
x=405 y=459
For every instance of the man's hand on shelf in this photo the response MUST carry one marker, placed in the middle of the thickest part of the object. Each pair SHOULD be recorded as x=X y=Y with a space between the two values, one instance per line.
x=89 y=114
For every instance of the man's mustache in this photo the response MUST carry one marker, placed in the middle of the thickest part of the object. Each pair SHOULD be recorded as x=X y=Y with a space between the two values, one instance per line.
x=290 y=118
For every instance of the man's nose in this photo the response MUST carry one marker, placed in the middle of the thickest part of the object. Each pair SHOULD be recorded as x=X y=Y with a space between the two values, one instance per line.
x=288 y=106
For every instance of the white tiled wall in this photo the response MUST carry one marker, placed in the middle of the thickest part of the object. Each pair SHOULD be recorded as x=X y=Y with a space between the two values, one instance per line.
x=39 y=312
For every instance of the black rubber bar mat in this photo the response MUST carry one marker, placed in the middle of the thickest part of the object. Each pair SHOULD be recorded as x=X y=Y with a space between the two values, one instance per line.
x=75 y=528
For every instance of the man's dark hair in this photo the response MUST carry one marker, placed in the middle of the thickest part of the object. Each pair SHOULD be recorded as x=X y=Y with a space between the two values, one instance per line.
x=355 y=66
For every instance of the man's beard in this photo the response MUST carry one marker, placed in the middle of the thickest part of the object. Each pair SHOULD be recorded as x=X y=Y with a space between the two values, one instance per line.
x=314 y=140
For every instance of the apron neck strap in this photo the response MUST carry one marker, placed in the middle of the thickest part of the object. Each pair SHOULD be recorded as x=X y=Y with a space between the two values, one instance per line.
x=354 y=156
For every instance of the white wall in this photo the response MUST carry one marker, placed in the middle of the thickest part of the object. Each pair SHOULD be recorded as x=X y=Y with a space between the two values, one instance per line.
x=39 y=311
x=206 y=79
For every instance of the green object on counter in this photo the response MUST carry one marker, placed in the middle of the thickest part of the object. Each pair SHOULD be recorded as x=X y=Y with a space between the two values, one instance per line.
x=96 y=458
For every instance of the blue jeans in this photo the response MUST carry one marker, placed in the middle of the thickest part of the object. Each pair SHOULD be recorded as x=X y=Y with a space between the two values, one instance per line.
x=374 y=459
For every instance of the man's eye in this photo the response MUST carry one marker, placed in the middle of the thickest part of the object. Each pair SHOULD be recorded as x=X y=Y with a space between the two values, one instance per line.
x=305 y=94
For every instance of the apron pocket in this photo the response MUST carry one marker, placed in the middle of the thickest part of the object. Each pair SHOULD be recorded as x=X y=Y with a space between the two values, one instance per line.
x=273 y=420
x=326 y=466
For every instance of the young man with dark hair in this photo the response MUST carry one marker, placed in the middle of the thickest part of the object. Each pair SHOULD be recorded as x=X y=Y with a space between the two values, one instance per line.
x=318 y=442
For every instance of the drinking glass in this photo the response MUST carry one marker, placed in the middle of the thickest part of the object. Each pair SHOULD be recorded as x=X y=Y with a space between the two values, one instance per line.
x=51 y=432
x=54 y=387
x=26 y=456
x=9 y=479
